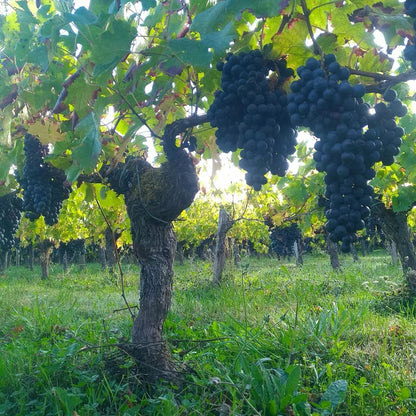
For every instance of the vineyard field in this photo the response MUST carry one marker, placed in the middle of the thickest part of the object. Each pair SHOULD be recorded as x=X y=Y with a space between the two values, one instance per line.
x=273 y=339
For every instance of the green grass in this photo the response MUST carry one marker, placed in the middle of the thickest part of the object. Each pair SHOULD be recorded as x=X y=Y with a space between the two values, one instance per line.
x=274 y=339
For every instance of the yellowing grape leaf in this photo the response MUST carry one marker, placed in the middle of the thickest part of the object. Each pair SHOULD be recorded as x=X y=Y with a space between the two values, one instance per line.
x=47 y=130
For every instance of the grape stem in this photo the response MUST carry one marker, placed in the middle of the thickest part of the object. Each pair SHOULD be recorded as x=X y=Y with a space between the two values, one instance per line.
x=306 y=13
x=132 y=109
x=181 y=125
x=323 y=5
x=386 y=81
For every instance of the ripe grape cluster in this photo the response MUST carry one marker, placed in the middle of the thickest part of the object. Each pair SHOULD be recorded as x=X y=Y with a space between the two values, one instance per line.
x=250 y=113
x=410 y=7
x=10 y=214
x=43 y=185
x=373 y=226
x=409 y=52
x=352 y=137
x=383 y=128
x=283 y=239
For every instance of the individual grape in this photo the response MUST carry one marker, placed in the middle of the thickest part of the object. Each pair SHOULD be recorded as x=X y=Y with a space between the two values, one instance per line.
x=250 y=113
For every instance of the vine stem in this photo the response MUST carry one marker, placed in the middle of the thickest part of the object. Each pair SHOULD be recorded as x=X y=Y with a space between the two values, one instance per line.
x=386 y=81
x=123 y=295
x=306 y=13
x=133 y=110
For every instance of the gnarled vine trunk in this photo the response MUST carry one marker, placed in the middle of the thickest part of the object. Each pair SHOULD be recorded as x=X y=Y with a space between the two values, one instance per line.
x=394 y=225
x=101 y=258
x=155 y=246
x=333 y=254
x=45 y=250
x=224 y=225
x=111 y=238
x=154 y=197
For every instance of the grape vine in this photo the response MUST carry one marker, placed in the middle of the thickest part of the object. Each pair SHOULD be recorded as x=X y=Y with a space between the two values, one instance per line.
x=250 y=113
x=44 y=187
x=10 y=214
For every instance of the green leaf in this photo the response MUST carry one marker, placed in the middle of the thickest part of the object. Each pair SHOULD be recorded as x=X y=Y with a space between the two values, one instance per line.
x=292 y=41
x=89 y=192
x=82 y=17
x=191 y=52
x=5 y=165
x=111 y=46
x=293 y=381
x=375 y=62
x=404 y=393
x=408 y=122
x=405 y=199
x=85 y=155
x=296 y=191
x=327 y=42
x=220 y=41
x=335 y=394
x=212 y=19
x=80 y=95
x=147 y=4
x=39 y=57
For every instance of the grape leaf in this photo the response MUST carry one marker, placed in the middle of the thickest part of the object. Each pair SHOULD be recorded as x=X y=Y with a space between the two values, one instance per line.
x=217 y=16
x=85 y=155
x=147 y=4
x=47 y=130
x=405 y=199
x=191 y=52
x=219 y=41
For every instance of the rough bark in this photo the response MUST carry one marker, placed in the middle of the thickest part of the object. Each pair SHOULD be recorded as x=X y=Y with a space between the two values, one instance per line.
x=110 y=255
x=179 y=252
x=236 y=252
x=154 y=197
x=394 y=225
x=82 y=256
x=2 y=260
x=297 y=249
x=31 y=257
x=333 y=254
x=391 y=248
x=65 y=260
x=224 y=225
x=101 y=258
x=45 y=251
x=17 y=253
x=364 y=247
x=155 y=246
x=5 y=260
x=354 y=252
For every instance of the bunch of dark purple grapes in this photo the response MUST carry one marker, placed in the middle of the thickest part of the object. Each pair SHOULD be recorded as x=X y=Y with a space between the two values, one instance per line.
x=44 y=186
x=352 y=138
x=250 y=113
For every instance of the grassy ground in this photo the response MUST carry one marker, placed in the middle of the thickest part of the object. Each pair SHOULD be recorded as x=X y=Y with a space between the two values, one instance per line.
x=274 y=339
